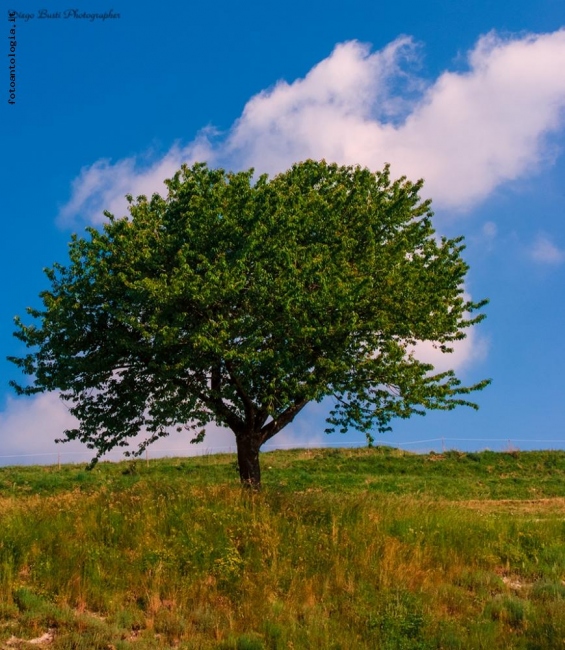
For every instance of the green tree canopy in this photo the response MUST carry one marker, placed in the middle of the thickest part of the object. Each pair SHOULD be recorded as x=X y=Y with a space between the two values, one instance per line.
x=238 y=302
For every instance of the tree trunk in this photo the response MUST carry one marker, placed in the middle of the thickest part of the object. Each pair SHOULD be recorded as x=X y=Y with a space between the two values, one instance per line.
x=248 y=461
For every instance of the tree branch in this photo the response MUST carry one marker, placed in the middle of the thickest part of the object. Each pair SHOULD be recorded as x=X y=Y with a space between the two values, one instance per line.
x=274 y=426
x=248 y=406
x=217 y=406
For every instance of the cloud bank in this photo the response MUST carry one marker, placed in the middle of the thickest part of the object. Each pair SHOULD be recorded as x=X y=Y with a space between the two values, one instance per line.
x=465 y=133
x=29 y=427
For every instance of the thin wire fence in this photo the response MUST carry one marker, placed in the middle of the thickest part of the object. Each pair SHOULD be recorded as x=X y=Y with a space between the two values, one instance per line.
x=438 y=445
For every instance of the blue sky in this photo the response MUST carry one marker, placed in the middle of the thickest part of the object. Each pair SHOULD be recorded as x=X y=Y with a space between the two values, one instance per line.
x=468 y=95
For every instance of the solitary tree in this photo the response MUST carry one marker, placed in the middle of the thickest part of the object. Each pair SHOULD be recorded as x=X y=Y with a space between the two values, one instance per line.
x=238 y=302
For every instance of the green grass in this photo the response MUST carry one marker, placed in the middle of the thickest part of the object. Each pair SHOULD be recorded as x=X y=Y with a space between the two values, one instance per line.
x=343 y=549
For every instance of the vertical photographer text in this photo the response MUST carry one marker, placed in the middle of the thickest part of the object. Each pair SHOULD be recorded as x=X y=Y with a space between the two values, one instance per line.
x=12 y=57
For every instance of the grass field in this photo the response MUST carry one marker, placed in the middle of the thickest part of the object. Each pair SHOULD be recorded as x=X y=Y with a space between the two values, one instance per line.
x=342 y=549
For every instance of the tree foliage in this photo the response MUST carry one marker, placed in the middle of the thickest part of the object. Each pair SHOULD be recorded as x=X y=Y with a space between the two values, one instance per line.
x=238 y=301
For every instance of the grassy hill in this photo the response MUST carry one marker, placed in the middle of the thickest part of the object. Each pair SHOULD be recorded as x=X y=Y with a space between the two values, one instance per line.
x=343 y=549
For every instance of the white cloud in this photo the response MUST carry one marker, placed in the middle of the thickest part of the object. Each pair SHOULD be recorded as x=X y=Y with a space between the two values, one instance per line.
x=103 y=185
x=342 y=111
x=29 y=427
x=465 y=133
x=466 y=352
x=545 y=251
